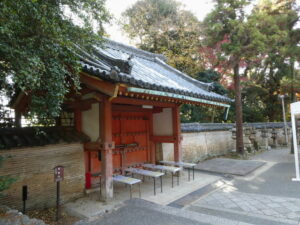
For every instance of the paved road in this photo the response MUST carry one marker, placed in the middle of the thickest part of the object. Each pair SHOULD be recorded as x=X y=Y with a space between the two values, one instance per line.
x=141 y=212
x=265 y=197
x=268 y=198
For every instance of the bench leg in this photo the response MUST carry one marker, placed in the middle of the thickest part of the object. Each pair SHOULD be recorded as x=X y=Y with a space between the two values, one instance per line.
x=193 y=173
x=178 y=178
x=100 y=187
x=130 y=186
x=154 y=185
x=140 y=194
x=172 y=180
x=161 y=185
x=189 y=173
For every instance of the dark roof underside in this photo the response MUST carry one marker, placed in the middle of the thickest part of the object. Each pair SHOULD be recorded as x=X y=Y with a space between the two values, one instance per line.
x=116 y=62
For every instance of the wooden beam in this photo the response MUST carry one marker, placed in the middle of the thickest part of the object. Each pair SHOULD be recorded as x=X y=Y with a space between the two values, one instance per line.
x=134 y=101
x=157 y=110
x=81 y=105
x=92 y=146
x=93 y=95
x=94 y=83
x=129 y=108
x=163 y=139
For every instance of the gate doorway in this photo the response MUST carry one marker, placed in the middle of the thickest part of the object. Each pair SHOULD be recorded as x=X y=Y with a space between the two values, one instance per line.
x=131 y=135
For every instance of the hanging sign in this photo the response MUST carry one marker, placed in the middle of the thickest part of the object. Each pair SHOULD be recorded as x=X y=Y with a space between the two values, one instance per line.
x=58 y=173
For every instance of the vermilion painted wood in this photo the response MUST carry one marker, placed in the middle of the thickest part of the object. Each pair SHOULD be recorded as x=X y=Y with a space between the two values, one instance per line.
x=82 y=105
x=163 y=139
x=151 y=143
x=129 y=108
x=129 y=128
x=134 y=101
x=97 y=84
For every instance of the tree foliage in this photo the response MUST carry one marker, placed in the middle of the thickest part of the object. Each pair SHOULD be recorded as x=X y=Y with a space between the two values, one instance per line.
x=38 y=40
x=191 y=113
x=275 y=72
x=162 y=26
x=228 y=24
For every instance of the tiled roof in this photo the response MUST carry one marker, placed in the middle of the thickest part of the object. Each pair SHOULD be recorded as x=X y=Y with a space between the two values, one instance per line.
x=125 y=64
x=201 y=127
x=38 y=136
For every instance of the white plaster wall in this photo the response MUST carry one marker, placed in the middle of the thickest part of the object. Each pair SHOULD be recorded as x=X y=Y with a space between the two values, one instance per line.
x=198 y=146
x=90 y=122
x=162 y=123
x=168 y=151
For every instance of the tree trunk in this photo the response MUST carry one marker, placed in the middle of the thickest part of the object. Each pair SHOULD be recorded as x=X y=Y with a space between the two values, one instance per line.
x=238 y=111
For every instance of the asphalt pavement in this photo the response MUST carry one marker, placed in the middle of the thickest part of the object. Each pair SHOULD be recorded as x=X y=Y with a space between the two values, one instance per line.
x=266 y=196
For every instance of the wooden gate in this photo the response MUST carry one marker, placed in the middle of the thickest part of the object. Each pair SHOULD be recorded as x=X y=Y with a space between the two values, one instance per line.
x=130 y=131
x=131 y=137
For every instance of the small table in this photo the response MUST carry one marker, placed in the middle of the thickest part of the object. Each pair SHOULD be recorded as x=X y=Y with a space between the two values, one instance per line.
x=171 y=169
x=128 y=180
x=183 y=164
x=147 y=173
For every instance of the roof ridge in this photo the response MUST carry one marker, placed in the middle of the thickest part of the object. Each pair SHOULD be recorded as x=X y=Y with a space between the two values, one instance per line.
x=139 y=52
x=205 y=86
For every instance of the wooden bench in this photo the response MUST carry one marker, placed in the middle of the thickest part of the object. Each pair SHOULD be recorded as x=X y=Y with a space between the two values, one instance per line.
x=147 y=173
x=129 y=181
x=171 y=169
x=182 y=164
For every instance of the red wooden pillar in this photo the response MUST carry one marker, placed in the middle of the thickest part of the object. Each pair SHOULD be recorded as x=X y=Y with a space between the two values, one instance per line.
x=152 y=147
x=177 y=134
x=106 y=153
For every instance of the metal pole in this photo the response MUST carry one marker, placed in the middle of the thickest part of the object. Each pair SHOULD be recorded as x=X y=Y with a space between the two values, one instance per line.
x=140 y=190
x=57 y=199
x=24 y=197
x=24 y=207
x=284 y=120
x=295 y=148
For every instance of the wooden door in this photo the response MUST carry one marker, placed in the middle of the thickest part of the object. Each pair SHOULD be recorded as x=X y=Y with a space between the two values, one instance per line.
x=131 y=137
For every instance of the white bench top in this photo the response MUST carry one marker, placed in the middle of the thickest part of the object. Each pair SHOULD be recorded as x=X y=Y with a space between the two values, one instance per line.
x=126 y=180
x=163 y=168
x=188 y=165
x=144 y=172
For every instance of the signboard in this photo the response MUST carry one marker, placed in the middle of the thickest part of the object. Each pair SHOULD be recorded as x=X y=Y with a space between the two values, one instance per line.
x=58 y=173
